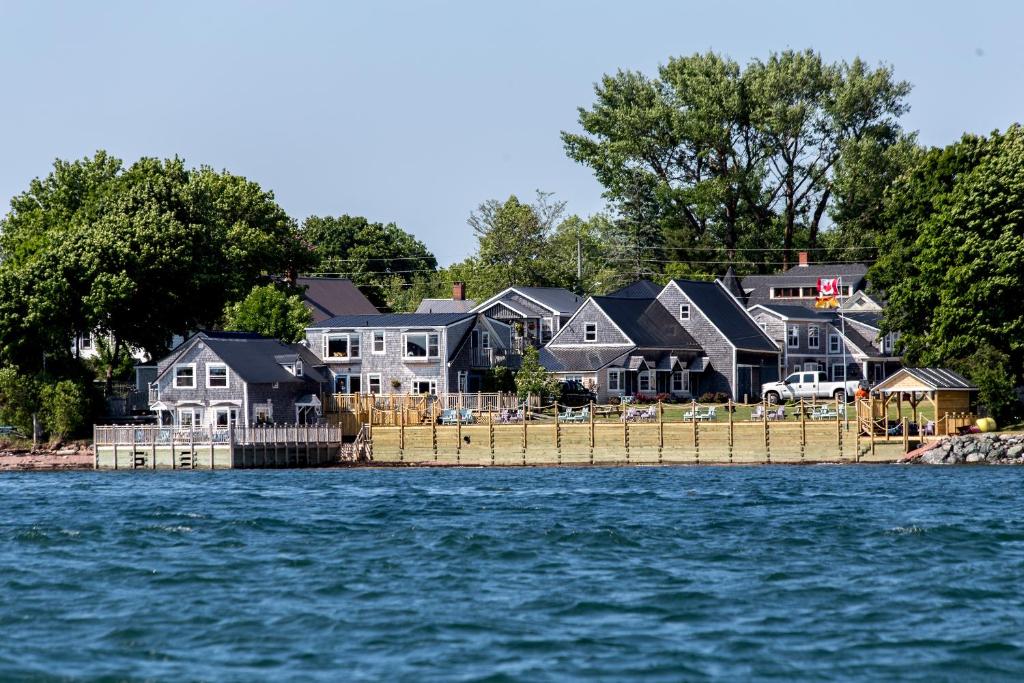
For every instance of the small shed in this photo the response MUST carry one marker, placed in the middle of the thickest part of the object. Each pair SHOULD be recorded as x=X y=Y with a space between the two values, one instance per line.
x=951 y=394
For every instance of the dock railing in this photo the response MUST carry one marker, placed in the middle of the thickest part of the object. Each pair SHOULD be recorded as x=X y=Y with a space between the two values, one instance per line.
x=150 y=435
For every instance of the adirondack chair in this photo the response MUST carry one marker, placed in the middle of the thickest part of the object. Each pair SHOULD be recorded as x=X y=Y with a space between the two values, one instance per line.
x=778 y=415
x=448 y=417
x=466 y=416
x=649 y=415
x=630 y=415
x=583 y=415
x=758 y=414
x=692 y=414
x=826 y=413
x=929 y=428
x=567 y=416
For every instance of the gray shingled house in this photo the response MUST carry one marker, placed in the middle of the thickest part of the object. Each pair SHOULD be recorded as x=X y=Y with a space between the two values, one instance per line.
x=741 y=356
x=536 y=314
x=625 y=345
x=217 y=379
x=409 y=353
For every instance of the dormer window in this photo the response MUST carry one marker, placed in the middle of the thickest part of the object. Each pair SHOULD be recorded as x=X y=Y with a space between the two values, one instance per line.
x=684 y=311
x=298 y=368
x=590 y=332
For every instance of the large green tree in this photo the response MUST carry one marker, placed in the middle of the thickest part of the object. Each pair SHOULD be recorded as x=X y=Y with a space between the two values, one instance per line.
x=269 y=311
x=725 y=160
x=372 y=255
x=952 y=263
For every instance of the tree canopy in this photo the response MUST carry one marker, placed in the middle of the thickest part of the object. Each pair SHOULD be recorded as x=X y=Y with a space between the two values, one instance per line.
x=271 y=312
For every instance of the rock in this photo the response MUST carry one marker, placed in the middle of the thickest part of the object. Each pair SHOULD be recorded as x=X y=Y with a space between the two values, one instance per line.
x=1015 y=451
x=934 y=457
x=974 y=457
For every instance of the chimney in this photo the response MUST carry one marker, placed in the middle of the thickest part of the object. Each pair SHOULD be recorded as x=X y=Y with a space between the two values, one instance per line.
x=459 y=291
x=802 y=255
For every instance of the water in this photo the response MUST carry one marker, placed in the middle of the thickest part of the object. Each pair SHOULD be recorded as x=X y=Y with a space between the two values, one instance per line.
x=811 y=573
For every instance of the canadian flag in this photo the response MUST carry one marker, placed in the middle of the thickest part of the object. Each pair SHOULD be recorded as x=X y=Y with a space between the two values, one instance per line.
x=828 y=287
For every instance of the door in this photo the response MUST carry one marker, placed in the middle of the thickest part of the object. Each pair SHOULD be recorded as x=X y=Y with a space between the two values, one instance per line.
x=808 y=384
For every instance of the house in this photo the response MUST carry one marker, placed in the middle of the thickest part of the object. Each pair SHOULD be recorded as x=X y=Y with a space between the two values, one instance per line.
x=408 y=353
x=220 y=379
x=457 y=304
x=799 y=284
x=536 y=314
x=327 y=297
x=741 y=356
x=624 y=346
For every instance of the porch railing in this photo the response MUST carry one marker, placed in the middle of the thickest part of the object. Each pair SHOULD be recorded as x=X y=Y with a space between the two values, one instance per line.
x=118 y=435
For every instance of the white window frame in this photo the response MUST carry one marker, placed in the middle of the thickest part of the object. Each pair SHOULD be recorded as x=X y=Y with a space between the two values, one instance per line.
x=348 y=337
x=298 y=368
x=641 y=377
x=85 y=342
x=263 y=409
x=370 y=377
x=485 y=339
x=618 y=376
x=590 y=333
x=683 y=378
x=462 y=381
x=837 y=372
x=421 y=359
x=834 y=343
x=195 y=417
x=232 y=416
x=573 y=378
x=684 y=311
x=431 y=387
x=813 y=337
x=383 y=339
x=195 y=380
x=547 y=329
x=227 y=373
x=793 y=335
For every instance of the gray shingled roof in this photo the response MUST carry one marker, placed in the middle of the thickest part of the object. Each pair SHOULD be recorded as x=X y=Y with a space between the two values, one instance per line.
x=801 y=312
x=727 y=315
x=646 y=323
x=936 y=378
x=758 y=287
x=384 y=320
x=557 y=298
x=446 y=306
x=641 y=289
x=255 y=360
x=328 y=297
x=869 y=318
x=555 y=359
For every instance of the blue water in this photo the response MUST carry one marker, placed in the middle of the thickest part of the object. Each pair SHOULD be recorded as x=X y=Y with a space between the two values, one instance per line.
x=769 y=573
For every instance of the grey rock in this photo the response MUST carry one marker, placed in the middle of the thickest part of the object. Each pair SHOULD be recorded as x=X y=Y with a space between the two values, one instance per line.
x=974 y=457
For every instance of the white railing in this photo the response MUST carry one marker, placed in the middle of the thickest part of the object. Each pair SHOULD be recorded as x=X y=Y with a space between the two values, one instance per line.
x=120 y=435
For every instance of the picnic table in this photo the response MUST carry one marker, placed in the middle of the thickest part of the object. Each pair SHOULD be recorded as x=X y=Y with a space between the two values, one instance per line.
x=607 y=410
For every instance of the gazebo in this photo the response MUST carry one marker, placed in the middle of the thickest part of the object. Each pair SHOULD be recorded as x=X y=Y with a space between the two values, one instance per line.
x=951 y=395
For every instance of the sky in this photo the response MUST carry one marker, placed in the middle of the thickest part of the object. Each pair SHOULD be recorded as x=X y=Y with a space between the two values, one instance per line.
x=417 y=112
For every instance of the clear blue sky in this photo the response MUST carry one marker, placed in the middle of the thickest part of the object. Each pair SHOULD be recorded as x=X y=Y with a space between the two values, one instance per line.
x=416 y=112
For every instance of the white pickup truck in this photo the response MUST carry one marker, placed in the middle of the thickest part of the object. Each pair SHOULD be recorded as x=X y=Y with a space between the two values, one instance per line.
x=807 y=385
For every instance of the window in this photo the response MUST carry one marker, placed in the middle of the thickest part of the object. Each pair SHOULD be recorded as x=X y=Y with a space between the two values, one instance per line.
x=463 y=381
x=813 y=337
x=189 y=418
x=185 y=376
x=808 y=377
x=684 y=311
x=878 y=373
x=86 y=341
x=216 y=375
x=833 y=343
x=225 y=417
x=680 y=382
x=644 y=381
x=615 y=381
x=837 y=373
x=421 y=345
x=546 y=329
x=298 y=368
x=577 y=379
x=794 y=337
x=425 y=386
x=373 y=383
x=263 y=414
x=795 y=377
x=590 y=332
x=341 y=346
x=887 y=343
x=485 y=340
x=347 y=384
x=378 y=342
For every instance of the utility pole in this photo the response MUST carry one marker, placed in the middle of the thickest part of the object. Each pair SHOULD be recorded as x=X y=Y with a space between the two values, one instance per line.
x=579 y=259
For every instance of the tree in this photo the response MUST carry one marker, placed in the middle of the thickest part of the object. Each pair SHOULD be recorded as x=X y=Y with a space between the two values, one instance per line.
x=721 y=159
x=138 y=254
x=951 y=264
x=991 y=372
x=63 y=408
x=372 y=255
x=532 y=378
x=268 y=311
x=512 y=236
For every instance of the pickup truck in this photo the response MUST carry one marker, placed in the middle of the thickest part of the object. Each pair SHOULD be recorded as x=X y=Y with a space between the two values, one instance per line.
x=807 y=385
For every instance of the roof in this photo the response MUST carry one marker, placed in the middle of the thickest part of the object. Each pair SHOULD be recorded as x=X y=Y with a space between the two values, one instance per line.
x=641 y=289
x=327 y=297
x=732 y=283
x=795 y=311
x=383 y=320
x=255 y=360
x=933 y=378
x=757 y=288
x=863 y=344
x=725 y=313
x=579 y=359
x=646 y=322
x=446 y=306
x=556 y=298
x=869 y=318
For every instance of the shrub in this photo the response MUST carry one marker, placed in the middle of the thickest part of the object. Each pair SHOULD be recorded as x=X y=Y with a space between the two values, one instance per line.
x=63 y=408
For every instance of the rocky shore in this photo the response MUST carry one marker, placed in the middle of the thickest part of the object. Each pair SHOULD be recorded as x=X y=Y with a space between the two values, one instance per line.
x=67 y=457
x=991 y=449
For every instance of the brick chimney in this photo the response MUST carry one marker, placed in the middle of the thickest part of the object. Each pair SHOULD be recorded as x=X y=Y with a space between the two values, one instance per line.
x=802 y=255
x=459 y=291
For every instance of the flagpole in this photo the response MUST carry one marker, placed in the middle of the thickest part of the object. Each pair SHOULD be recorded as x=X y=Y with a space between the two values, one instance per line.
x=842 y=323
